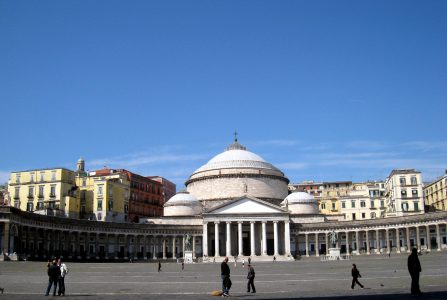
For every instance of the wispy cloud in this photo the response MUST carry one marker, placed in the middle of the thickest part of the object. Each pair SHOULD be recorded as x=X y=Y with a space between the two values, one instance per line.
x=426 y=145
x=145 y=159
x=293 y=165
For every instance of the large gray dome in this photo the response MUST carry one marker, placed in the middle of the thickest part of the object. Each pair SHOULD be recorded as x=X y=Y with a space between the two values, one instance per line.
x=234 y=173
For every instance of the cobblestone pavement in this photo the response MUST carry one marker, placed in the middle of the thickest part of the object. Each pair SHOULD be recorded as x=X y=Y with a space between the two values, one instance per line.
x=383 y=277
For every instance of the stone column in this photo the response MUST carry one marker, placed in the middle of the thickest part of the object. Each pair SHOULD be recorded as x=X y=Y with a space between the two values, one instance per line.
x=377 y=242
x=193 y=246
x=164 y=248
x=240 y=241
x=427 y=229
x=407 y=233
x=418 y=239
x=317 y=250
x=117 y=246
x=387 y=235
x=154 y=247
x=275 y=237
x=173 y=247
x=347 y=243
x=228 y=243
x=367 y=242
x=397 y=240
x=252 y=239
x=438 y=237
x=205 y=239
x=183 y=245
x=216 y=239
x=5 y=239
x=357 y=247
x=264 y=239
x=326 y=236
x=307 y=244
x=106 y=247
x=287 y=237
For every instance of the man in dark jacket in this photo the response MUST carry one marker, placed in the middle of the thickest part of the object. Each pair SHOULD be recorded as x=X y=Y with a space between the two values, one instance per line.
x=54 y=272
x=355 y=276
x=225 y=275
x=414 y=267
x=251 y=278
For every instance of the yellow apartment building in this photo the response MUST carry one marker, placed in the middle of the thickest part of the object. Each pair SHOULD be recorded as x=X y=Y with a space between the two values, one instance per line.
x=435 y=194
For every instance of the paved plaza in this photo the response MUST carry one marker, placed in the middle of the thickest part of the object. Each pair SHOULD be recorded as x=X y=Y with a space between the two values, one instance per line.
x=383 y=277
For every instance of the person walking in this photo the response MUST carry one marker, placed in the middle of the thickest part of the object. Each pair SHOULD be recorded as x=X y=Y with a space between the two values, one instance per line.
x=159 y=266
x=249 y=260
x=53 y=276
x=414 y=268
x=64 y=271
x=251 y=278
x=225 y=275
x=355 y=275
x=183 y=265
x=243 y=262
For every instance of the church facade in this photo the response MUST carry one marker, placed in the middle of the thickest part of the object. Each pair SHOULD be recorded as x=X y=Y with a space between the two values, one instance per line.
x=236 y=205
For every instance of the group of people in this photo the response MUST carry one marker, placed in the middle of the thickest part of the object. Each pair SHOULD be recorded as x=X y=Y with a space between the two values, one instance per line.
x=57 y=270
x=226 y=281
x=414 y=268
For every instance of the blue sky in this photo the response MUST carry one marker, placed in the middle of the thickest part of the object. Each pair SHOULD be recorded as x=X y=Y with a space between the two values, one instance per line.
x=324 y=90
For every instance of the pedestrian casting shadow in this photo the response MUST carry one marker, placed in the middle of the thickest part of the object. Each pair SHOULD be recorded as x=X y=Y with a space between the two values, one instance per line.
x=441 y=295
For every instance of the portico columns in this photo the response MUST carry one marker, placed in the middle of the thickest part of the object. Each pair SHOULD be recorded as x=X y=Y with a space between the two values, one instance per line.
x=228 y=239
x=164 y=248
x=377 y=242
x=418 y=239
x=264 y=239
x=173 y=247
x=275 y=237
x=193 y=246
x=407 y=231
x=367 y=242
x=347 y=243
x=387 y=235
x=287 y=237
x=327 y=242
x=154 y=251
x=307 y=244
x=216 y=239
x=252 y=238
x=239 y=233
x=317 y=251
x=205 y=239
x=427 y=229
x=438 y=237
x=397 y=240
x=357 y=248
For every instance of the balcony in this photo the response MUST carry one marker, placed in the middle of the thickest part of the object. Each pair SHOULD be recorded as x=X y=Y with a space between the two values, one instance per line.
x=52 y=195
x=40 y=196
x=30 y=196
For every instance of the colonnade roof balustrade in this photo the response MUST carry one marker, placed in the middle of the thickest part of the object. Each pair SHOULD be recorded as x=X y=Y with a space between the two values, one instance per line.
x=373 y=224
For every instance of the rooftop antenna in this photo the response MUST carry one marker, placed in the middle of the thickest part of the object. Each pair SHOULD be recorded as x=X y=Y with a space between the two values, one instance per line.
x=235 y=136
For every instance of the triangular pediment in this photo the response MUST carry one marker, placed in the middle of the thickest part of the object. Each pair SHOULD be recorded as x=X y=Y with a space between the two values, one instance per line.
x=247 y=205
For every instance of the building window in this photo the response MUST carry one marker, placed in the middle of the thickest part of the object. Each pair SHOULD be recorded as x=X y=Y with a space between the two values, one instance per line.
x=323 y=205
x=403 y=193
x=372 y=203
x=99 y=204
x=382 y=203
x=41 y=191
x=402 y=181
x=29 y=206
x=414 y=180
x=416 y=206
x=353 y=216
x=84 y=182
x=42 y=176
x=53 y=175
x=53 y=191
x=343 y=204
x=18 y=178
x=373 y=215
x=353 y=204
x=333 y=206
x=39 y=205
x=17 y=193
x=110 y=192
x=99 y=216
x=414 y=193
x=99 y=190
x=362 y=204
x=31 y=177
x=31 y=192
x=405 y=206
x=126 y=208
x=110 y=205
x=363 y=215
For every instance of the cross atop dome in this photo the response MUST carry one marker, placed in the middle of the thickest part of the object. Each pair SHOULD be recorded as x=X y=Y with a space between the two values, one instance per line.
x=236 y=145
